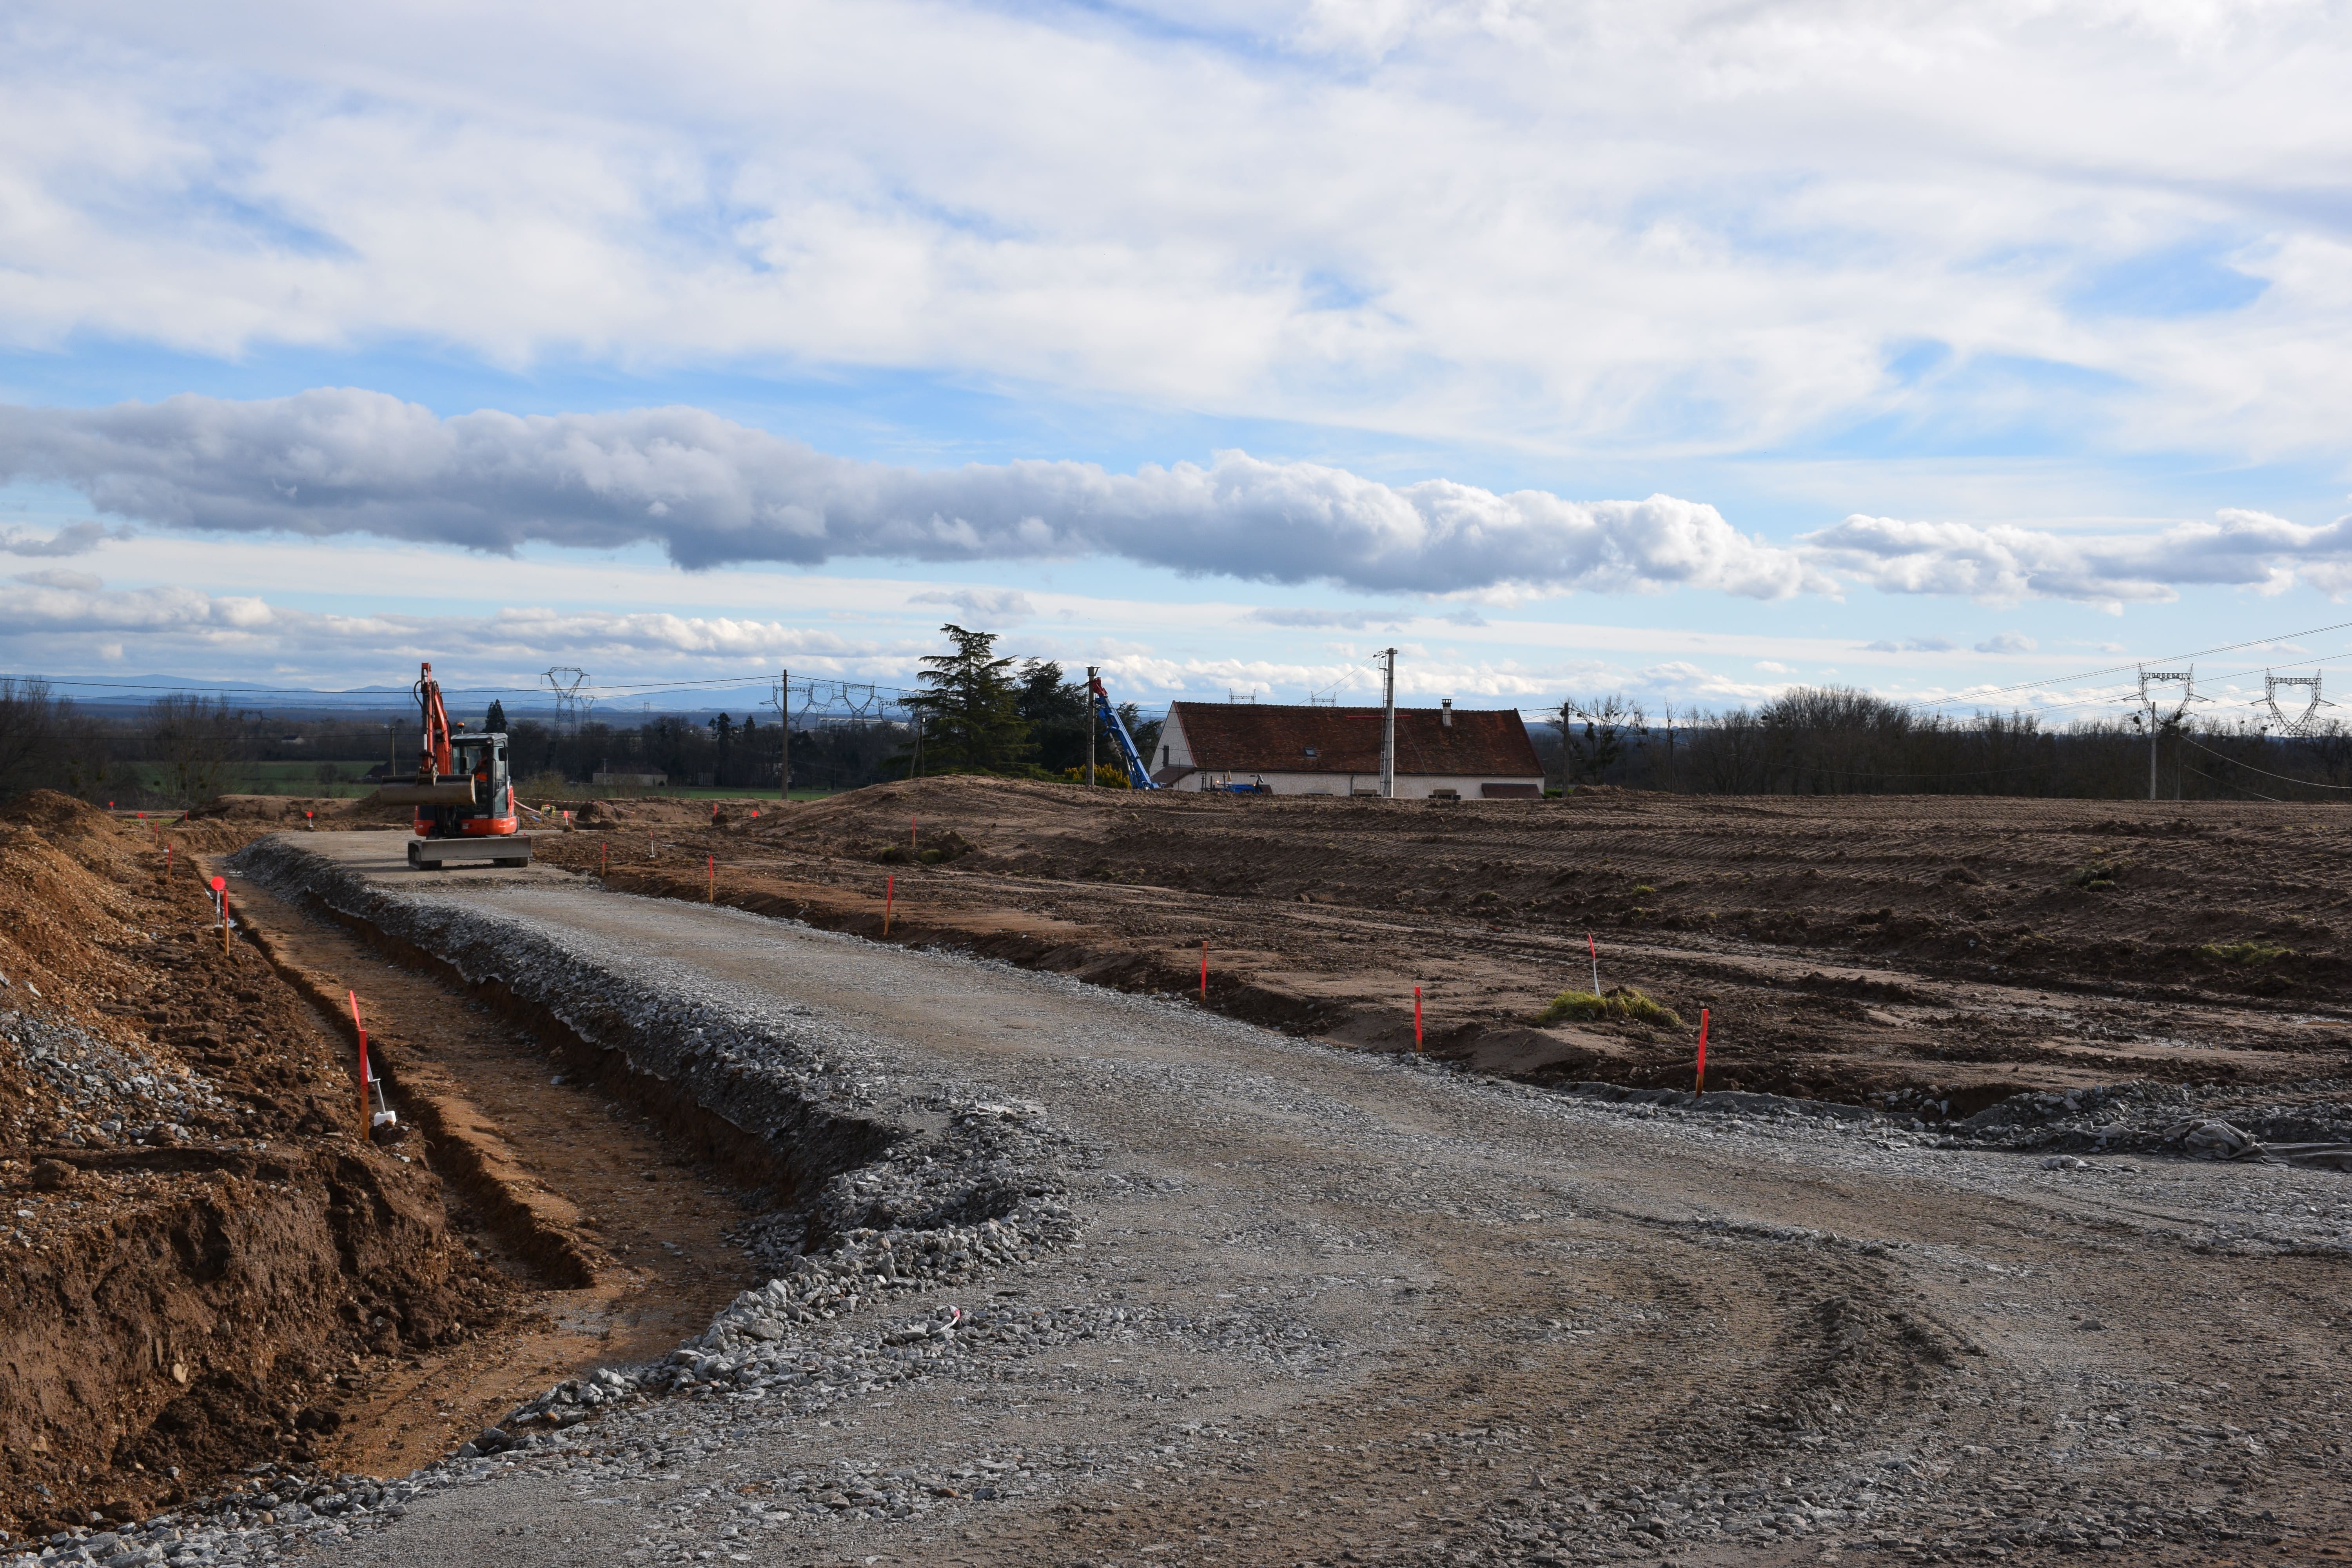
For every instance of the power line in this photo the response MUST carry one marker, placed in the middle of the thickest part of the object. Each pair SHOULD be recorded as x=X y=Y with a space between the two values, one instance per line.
x=2283 y=778
x=2241 y=789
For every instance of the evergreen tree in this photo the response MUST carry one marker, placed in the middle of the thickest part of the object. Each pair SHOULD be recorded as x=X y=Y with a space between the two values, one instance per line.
x=972 y=717
x=494 y=721
x=1057 y=713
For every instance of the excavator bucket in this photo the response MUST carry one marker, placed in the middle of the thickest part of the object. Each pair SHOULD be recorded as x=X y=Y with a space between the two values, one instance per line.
x=448 y=792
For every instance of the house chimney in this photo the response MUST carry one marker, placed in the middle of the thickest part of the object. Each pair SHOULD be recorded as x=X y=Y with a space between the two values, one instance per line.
x=1445 y=711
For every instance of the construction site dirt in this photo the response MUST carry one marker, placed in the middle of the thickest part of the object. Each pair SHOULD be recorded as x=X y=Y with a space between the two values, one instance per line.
x=1957 y=951
x=211 y=1268
x=2014 y=1225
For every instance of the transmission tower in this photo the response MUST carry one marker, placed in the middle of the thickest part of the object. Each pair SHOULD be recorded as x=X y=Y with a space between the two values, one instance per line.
x=564 y=679
x=2157 y=720
x=2302 y=724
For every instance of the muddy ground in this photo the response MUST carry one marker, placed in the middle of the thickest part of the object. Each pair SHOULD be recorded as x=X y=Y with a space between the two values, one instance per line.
x=1953 y=951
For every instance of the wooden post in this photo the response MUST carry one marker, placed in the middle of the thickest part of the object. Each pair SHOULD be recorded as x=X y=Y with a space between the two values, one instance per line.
x=889 y=886
x=1416 y=1020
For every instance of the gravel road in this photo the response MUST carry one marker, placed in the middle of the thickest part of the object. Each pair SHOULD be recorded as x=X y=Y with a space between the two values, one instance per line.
x=1314 y=1305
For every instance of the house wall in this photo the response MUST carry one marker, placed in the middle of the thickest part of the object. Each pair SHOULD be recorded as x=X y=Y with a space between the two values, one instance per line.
x=1175 y=750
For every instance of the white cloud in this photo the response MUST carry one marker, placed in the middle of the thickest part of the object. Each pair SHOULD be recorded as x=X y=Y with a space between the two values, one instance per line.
x=38 y=621
x=341 y=461
x=58 y=577
x=2003 y=563
x=1348 y=620
x=996 y=606
x=2065 y=207
x=1911 y=645
x=49 y=609
x=74 y=539
x=2008 y=642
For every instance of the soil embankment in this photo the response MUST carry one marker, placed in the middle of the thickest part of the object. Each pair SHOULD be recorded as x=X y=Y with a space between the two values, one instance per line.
x=203 y=1257
x=1953 y=951
x=615 y=1235
x=208 y=1268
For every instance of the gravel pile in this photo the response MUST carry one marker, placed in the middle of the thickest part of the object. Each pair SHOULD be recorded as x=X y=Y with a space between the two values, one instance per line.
x=250 y=1524
x=105 y=1095
x=2141 y=1118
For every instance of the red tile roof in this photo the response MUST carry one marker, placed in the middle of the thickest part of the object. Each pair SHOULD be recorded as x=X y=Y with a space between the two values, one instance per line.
x=1265 y=737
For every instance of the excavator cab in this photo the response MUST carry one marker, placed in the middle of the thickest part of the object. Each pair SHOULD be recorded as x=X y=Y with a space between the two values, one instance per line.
x=462 y=794
x=482 y=759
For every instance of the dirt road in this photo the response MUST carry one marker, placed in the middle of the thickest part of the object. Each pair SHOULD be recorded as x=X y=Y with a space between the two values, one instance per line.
x=1332 y=1305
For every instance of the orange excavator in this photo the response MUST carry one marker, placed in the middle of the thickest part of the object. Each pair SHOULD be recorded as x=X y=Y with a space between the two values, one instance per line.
x=462 y=794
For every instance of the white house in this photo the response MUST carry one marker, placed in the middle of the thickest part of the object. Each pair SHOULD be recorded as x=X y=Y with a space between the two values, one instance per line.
x=1440 y=751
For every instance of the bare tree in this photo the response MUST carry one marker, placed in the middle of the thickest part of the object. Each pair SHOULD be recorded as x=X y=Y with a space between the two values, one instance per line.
x=194 y=741
x=30 y=719
x=1597 y=733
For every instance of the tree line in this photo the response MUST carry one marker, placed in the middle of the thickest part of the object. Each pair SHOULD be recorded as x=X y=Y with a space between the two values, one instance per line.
x=981 y=712
x=1840 y=740
x=978 y=712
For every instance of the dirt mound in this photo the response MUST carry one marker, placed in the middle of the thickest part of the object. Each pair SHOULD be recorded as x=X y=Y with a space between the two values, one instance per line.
x=53 y=813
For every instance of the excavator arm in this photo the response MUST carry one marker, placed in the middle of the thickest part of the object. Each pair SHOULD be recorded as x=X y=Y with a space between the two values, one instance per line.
x=433 y=786
x=433 y=760
x=1139 y=776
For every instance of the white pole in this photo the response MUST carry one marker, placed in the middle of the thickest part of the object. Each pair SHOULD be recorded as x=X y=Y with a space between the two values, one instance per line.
x=1388 y=729
x=1094 y=722
x=784 y=712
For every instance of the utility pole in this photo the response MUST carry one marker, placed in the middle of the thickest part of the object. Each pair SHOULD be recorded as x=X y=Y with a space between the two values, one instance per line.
x=2187 y=680
x=784 y=712
x=1093 y=723
x=1388 y=727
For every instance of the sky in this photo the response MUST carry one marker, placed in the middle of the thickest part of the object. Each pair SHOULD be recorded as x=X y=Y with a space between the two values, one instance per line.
x=1968 y=354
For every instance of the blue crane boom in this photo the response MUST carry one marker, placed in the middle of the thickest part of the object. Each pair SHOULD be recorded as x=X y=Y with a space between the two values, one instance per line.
x=1138 y=775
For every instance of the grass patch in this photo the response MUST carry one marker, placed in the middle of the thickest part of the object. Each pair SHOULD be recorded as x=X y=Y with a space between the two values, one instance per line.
x=1643 y=890
x=2244 y=953
x=1620 y=1001
x=2098 y=874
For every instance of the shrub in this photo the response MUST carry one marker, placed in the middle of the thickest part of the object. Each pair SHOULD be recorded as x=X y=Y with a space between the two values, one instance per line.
x=2098 y=874
x=1620 y=1001
x=2244 y=953
x=1106 y=776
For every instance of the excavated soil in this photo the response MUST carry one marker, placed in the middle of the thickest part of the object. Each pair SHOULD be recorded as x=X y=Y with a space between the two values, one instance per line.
x=205 y=1269
x=1954 y=951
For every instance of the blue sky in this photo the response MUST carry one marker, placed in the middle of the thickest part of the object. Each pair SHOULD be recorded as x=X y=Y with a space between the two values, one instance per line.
x=1659 y=348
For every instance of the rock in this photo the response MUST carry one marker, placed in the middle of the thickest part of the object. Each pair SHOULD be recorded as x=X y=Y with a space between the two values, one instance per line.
x=54 y=1175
